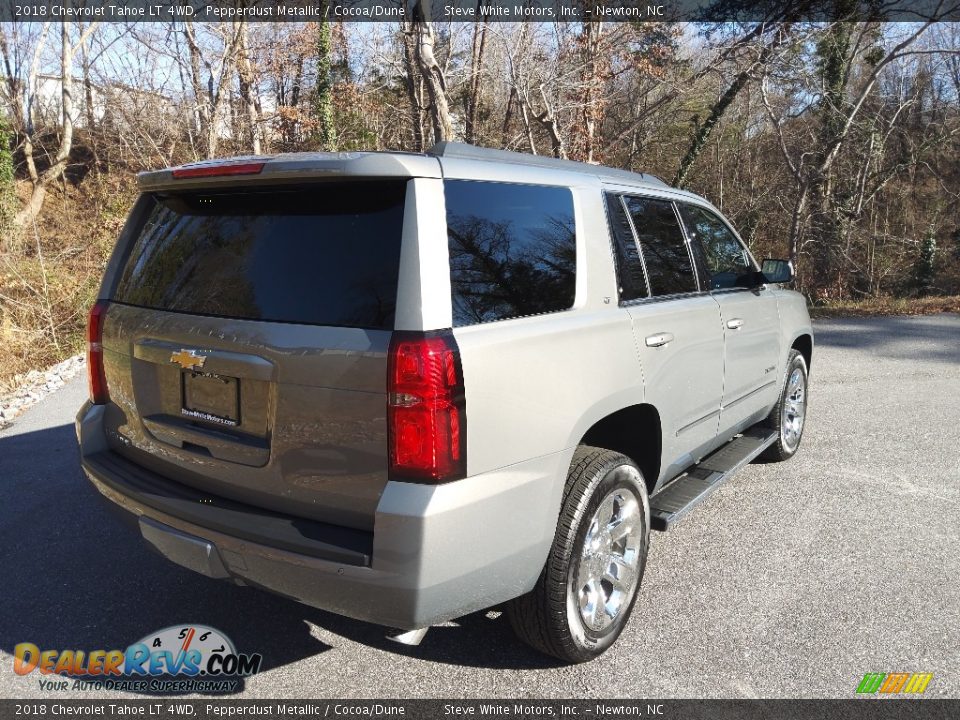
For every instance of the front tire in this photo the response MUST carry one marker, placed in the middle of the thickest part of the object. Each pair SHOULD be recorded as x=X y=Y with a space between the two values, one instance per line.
x=789 y=415
x=587 y=589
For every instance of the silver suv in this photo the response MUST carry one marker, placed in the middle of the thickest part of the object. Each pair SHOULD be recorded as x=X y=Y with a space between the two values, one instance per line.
x=406 y=387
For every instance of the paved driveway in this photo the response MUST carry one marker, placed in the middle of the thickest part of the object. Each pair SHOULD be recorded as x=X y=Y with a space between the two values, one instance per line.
x=793 y=580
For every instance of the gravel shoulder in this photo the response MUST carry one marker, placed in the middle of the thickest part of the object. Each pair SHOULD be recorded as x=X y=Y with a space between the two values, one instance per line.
x=793 y=580
x=36 y=385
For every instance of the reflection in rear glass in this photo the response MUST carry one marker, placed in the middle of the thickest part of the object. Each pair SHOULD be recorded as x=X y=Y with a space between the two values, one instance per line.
x=318 y=255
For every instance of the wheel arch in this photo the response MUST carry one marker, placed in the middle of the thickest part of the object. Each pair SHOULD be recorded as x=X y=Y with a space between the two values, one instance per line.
x=634 y=431
x=804 y=345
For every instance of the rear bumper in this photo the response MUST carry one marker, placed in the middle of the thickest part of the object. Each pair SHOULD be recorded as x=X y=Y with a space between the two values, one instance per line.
x=436 y=552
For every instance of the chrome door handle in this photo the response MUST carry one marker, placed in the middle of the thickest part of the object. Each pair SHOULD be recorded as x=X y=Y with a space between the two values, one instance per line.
x=735 y=324
x=659 y=340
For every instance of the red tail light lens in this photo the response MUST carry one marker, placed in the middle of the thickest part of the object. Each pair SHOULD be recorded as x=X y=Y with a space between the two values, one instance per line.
x=98 y=381
x=426 y=408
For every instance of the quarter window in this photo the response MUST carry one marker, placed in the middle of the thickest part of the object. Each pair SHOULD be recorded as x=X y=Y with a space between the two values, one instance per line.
x=665 y=254
x=513 y=250
x=630 y=274
x=726 y=259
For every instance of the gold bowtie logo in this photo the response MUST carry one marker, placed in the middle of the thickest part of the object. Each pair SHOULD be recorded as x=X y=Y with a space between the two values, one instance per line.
x=188 y=359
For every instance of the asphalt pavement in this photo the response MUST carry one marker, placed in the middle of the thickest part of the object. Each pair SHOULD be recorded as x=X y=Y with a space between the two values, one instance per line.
x=793 y=580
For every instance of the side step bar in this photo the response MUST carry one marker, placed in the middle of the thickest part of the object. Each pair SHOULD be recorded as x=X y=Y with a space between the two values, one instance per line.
x=681 y=495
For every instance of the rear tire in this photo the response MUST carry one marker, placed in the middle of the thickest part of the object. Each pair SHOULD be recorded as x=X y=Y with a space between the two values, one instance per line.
x=788 y=416
x=587 y=589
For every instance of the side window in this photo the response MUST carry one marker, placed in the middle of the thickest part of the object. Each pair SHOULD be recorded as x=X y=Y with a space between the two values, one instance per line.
x=630 y=274
x=665 y=254
x=513 y=250
x=725 y=258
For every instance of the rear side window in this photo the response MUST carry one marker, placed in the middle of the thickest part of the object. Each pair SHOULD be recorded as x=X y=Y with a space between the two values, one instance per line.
x=322 y=255
x=725 y=257
x=665 y=254
x=513 y=250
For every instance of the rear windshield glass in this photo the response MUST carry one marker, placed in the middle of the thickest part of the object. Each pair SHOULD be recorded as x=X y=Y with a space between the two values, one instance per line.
x=324 y=255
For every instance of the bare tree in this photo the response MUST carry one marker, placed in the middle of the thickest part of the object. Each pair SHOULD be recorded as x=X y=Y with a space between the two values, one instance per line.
x=211 y=72
x=473 y=96
x=413 y=82
x=40 y=181
x=326 y=132
x=432 y=72
x=780 y=34
x=810 y=164
x=246 y=75
x=593 y=77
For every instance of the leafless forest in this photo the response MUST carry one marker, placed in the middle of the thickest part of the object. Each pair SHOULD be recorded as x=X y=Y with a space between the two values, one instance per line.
x=837 y=145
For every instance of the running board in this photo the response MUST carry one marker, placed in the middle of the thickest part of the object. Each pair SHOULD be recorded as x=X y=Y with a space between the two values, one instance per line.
x=694 y=486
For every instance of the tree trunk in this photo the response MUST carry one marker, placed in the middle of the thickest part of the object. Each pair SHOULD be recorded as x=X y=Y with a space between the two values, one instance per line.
x=88 y=107
x=549 y=121
x=59 y=162
x=723 y=102
x=508 y=117
x=796 y=224
x=411 y=81
x=326 y=133
x=246 y=75
x=834 y=55
x=515 y=99
x=476 y=73
x=432 y=76
x=202 y=107
x=703 y=131
x=592 y=81
x=210 y=101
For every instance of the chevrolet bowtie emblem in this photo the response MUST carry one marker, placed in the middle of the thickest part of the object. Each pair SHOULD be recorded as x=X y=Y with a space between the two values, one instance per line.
x=188 y=359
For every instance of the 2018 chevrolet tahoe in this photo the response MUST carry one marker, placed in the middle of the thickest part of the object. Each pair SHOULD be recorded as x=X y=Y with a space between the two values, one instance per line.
x=405 y=387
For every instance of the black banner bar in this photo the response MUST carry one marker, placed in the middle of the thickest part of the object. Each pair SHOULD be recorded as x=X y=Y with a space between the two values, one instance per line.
x=216 y=709
x=474 y=10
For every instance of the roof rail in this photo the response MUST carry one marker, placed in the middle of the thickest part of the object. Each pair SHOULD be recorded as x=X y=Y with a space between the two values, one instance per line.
x=463 y=151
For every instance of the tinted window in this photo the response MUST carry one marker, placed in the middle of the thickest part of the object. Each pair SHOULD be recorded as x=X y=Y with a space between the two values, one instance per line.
x=512 y=250
x=325 y=256
x=725 y=258
x=664 y=249
x=633 y=282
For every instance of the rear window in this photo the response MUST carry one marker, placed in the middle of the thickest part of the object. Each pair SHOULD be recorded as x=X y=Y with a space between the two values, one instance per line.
x=513 y=250
x=321 y=255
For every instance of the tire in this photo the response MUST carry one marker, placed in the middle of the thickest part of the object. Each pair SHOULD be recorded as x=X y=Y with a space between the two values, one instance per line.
x=788 y=416
x=554 y=617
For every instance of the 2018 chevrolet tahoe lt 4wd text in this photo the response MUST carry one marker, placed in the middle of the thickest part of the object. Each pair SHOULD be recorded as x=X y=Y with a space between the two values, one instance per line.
x=406 y=387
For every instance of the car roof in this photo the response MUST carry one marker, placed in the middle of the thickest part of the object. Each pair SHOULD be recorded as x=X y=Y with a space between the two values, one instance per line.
x=463 y=151
x=288 y=167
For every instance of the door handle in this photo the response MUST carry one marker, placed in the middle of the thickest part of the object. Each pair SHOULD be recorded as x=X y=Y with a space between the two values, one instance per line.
x=659 y=340
x=735 y=324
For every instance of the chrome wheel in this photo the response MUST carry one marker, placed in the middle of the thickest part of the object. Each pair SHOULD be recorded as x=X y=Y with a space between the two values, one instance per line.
x=791 y=421
x=607 y=573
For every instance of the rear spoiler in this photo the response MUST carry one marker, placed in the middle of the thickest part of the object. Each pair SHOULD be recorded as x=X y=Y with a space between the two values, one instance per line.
x=271 y=169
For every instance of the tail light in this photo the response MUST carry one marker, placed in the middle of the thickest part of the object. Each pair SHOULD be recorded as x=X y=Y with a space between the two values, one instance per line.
x=98 y=381
x=426 y=408
x=218 y=169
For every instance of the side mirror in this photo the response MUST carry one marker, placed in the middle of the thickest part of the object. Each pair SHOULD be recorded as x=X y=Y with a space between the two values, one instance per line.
x=777 y=271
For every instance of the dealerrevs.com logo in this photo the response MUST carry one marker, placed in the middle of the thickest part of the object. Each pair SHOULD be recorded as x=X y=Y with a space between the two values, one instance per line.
x=180 y=658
